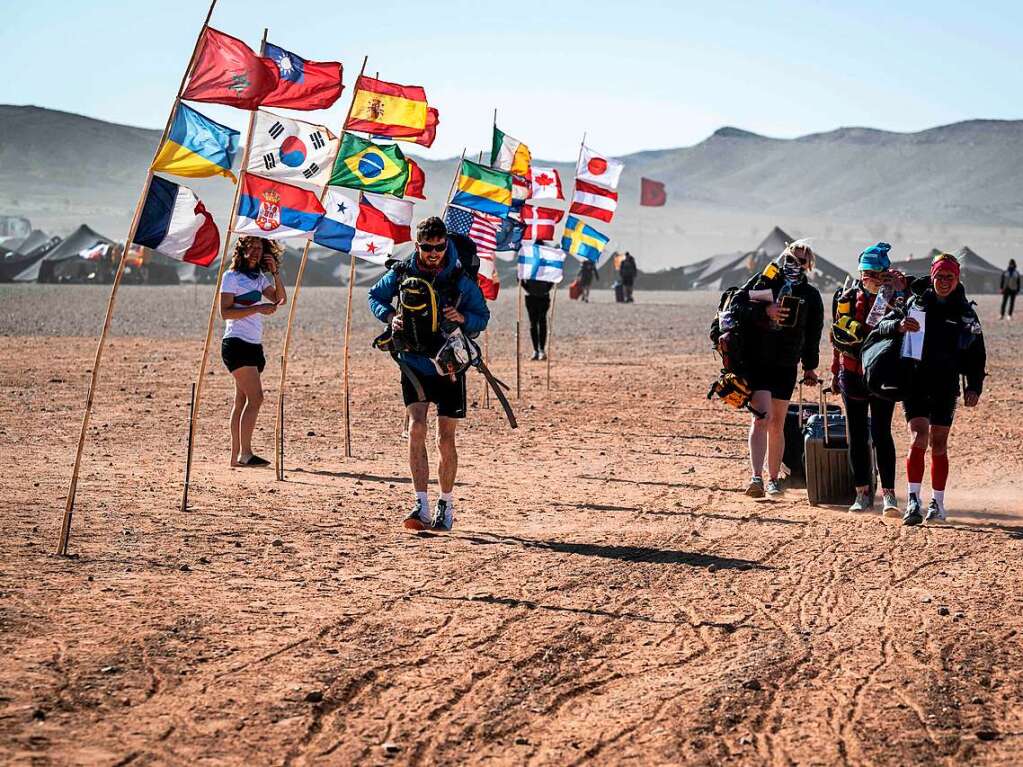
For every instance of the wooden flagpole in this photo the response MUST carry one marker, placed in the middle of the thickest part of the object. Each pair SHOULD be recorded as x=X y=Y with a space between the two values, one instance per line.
x=279 y=430
x=554 y=301
x=518 y=341
x=65 y=527
x=200 y=375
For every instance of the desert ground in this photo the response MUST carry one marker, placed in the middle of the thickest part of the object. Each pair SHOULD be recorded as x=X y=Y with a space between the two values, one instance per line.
x=607 y=596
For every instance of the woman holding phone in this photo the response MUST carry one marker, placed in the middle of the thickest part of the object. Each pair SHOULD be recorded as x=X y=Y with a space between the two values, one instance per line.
x=246 y=295
x=788 y=318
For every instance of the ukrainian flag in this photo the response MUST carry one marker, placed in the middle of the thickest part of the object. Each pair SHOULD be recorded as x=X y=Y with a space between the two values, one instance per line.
x=197 y=147
x=582 y=241
x=484 y=189
x=361 y=164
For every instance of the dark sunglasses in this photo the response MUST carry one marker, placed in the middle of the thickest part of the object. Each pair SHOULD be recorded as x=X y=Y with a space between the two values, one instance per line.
x=426 y=247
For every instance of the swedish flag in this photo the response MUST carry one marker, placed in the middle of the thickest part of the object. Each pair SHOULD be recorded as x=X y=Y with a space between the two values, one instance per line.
x=361 y=164
x=583 y=241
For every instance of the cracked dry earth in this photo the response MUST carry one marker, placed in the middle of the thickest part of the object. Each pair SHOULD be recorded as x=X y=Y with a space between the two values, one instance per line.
x=606 y=597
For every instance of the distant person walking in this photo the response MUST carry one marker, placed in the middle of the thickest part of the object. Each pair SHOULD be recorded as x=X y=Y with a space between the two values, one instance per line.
x=587 y=274
x=627 y=274
x=1010 y=289
x=788 y=318
x=242 y=292
x=538 y=303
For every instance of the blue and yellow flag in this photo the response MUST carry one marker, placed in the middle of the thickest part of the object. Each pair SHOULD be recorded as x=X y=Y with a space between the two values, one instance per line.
x=483 y=189
x=582 y=241
x=197 y=147
x=361 y=164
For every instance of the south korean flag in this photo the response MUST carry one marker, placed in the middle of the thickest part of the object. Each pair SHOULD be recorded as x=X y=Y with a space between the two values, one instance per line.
x=292 y=151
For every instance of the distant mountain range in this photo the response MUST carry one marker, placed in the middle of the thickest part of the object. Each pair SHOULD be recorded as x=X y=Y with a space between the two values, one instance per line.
x=943 y=187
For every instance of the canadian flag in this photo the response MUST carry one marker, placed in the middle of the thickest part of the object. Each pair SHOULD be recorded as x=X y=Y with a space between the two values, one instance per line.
x=489 y=280
x=595 y=168
x=593 y=201
x=546 y=184
x=540 y=222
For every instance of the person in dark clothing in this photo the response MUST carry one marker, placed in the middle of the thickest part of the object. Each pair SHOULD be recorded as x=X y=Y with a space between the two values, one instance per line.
x=1010 y=288
x=788 y=318
x=869 y=418
x=627 y=272
x=587 y=274
x=538 y=303
x=953 y=347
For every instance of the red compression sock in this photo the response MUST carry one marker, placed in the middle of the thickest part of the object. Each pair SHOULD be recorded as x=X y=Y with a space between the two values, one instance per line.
x=915 y=465
x=939 y=471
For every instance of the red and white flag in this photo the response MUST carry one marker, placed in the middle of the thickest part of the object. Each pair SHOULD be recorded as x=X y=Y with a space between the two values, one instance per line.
x=593 y=201
x=595 y=168
x=540 y=222
x=546 y=184
x=384 y=221
x=484 y=232
x=490 y=282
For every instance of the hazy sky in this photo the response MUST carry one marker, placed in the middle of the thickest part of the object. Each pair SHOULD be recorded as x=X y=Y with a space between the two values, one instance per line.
x=638 y=74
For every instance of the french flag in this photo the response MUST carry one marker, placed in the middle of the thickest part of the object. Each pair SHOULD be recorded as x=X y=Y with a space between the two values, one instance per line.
x=593 y=201
x=175 y=222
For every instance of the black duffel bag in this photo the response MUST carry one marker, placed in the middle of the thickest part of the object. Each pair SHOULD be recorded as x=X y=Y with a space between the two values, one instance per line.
x=885 y=370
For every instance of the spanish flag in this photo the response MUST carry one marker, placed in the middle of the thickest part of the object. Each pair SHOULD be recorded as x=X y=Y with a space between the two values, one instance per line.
x=197 y=147
x=483 y=189
x=386 y=109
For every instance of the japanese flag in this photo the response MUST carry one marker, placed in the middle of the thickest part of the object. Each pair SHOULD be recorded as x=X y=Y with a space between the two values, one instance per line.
x=597 y=169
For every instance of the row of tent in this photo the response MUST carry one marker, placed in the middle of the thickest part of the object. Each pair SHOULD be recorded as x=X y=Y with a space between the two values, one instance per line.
x=88 y=256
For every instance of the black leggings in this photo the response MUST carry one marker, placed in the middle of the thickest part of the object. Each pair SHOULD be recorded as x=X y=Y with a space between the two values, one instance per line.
x=537 y=307
x=1008 y=300
x=880 y=431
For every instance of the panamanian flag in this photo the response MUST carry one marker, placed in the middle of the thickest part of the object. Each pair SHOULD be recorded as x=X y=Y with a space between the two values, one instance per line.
x=367 y=226
x=275 y=210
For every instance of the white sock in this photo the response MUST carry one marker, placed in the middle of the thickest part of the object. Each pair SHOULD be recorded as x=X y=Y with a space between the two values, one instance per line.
x=939 y=496
x=423 y=499
x=914 y=488
x=447 y=497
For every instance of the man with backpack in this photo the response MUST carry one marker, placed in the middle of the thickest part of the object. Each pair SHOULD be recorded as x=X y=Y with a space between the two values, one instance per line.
x=438 y=303
x=627 y=272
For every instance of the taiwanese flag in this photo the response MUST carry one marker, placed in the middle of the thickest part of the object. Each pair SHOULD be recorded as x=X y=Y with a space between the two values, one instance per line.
x=593 y=201
x=227 y=72
x=651 y=193
x=303 y=84
x=388 y=109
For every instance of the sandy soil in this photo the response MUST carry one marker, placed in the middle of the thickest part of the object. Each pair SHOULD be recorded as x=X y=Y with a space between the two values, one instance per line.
x=607 y=595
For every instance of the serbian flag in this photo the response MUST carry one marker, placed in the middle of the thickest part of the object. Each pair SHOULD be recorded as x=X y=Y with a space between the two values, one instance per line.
x=546 y=183
x=416 y=184
x=540 y=222
x=595 y=168
x=366 y=226
x=593 y=201
x=276 y=210
x=175 y=222
x=303 y=84
x=227 y=72
x=651 y=193
x=387 y=109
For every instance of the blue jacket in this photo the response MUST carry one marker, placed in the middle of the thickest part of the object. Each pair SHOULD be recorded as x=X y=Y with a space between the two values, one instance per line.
x=470 y=303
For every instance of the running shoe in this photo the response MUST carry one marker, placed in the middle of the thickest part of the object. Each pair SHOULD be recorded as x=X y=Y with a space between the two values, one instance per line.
x=935 y=511
x=416 y=519
x=756 y=488
x=542 y=355
x=864 y=502
x=536 y=356
x=774 y=487
x=912 y=515
x=443 y=516
x=891 y=504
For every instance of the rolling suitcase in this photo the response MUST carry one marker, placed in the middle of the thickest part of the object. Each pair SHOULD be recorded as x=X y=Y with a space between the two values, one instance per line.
x=795 y=425
x=829 y=474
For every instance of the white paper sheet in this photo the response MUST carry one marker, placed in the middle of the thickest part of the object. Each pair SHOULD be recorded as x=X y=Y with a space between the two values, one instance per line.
x=913 y=343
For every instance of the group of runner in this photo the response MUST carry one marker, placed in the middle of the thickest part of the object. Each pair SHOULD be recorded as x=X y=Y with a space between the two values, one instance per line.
x=788 y=320
x=788 y=317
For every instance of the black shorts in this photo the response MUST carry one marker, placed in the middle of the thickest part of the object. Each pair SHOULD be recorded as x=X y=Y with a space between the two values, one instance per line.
x=936 y=405
x=237 y=353
x=447 y=395
x=780 y=380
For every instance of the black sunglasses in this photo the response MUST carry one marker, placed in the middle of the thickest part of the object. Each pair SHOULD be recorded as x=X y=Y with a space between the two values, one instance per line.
x=426 y=247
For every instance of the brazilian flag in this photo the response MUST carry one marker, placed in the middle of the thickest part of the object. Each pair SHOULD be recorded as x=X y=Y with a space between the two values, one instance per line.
x=361 y=164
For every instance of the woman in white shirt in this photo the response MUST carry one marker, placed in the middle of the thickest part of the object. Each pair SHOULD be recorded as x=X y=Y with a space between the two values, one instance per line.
x=242 y=292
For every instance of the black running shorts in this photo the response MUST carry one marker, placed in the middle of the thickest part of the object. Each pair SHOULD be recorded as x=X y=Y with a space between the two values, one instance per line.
x=447 y=395
x=936 y=405
x=237 y=353
x=780 y=380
